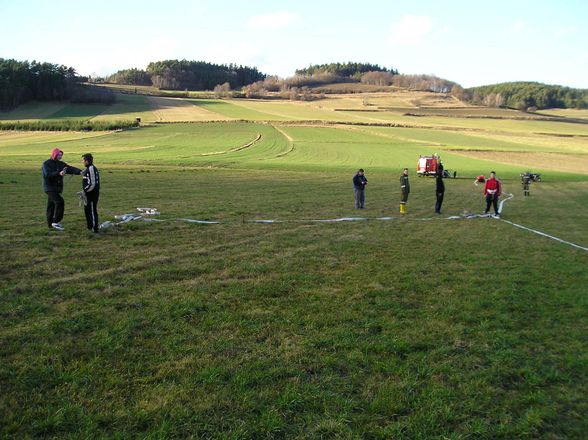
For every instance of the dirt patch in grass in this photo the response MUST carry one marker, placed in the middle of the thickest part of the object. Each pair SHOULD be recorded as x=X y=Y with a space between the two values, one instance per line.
x=577 y=163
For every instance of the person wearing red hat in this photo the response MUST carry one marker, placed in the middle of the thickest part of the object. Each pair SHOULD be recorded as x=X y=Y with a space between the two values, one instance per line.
x=53 y=171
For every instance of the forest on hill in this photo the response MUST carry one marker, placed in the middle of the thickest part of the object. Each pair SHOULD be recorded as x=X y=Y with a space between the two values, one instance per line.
x=188 y=75
x=528 y=96
x=21 y=81
x=349 y=69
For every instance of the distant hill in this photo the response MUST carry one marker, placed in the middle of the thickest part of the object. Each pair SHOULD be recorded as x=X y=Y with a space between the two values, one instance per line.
x=21 y=81
x=349 y=69
x=528 y=96
x=188 y=75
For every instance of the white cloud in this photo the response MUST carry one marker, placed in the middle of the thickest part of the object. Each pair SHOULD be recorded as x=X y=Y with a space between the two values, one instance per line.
x=106 y=60
x=241 y=53
x=518 y=27
x=274 y=20
x=565 y=31
x=412 y=29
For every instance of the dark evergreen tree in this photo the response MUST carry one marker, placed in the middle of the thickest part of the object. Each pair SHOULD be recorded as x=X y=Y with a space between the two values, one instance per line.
x=200 y=75
x=134 y=77
x=21 y=81
x=349 y=69
x=524 y=95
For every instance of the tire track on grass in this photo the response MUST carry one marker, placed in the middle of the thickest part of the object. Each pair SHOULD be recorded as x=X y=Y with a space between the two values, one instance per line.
x=232 y=150
x=290 y=140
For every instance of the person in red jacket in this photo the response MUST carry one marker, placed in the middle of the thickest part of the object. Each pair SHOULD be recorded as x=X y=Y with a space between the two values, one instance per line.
x=492 y=191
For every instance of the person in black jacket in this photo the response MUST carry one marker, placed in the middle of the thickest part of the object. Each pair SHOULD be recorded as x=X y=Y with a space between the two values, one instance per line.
x=359 y=183
x=439 y=192
x=405 y=189
x=91 y=189
x=53 y=171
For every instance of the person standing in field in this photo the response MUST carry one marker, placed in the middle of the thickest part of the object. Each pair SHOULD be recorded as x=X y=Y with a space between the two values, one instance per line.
x=439 y=192
x=405 y=188
x=91 y=189
x=53 y=170
x=359 y=183
x=526 y=181
x=492 y=191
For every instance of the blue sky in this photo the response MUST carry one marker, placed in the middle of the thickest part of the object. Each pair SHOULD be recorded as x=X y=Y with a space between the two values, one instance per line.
x=470 y=42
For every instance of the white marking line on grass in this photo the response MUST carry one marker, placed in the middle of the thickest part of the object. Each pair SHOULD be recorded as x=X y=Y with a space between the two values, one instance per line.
x=189 y=220
x=342 y=219
x=543 y=234
x=546 y=235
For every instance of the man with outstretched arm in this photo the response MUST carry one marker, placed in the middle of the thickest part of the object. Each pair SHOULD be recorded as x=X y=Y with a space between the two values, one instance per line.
x=492 y=191
x=53 y=171
x=91 y=189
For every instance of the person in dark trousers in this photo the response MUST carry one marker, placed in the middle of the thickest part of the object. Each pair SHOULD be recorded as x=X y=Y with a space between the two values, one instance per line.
x=405 y=188
x=359 y=183
x=91 y=189
x=526 y=181
x=439 y=192
x=492 y=191
x=53 y=170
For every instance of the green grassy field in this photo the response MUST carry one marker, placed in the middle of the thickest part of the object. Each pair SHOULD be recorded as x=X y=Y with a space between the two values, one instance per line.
x=415 y=327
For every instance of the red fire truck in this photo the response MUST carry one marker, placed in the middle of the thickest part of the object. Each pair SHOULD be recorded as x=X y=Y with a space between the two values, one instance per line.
x=429 y=165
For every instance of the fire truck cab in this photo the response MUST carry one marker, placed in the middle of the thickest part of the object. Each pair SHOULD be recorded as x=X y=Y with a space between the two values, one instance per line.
x=429 y=165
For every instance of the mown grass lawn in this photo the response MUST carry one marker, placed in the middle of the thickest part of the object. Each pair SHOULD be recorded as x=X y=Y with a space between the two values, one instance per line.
x=397 y=329
x=416 y=327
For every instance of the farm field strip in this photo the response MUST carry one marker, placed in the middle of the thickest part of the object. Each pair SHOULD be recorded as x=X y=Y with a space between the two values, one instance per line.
x=32 y=111
x=230 y=110
x=128 y=107
x=15 y=138
x=179 y=110
x=533 y=160
x=337 y=145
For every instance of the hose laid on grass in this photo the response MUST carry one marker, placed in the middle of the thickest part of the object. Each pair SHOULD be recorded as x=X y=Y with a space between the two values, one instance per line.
x=146 y=214
x=543 y=234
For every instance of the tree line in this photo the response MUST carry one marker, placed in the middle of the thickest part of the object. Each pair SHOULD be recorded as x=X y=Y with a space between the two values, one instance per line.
x=527 y=96
x=305 y=86
x=188 y=75
x=22 y=81
x=135 y=77
x=345 y=70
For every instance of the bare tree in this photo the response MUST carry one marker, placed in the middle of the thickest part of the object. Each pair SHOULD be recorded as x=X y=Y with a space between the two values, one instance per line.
x=377 y=78
x=222 y=90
